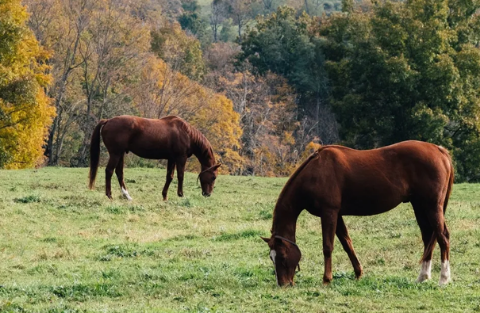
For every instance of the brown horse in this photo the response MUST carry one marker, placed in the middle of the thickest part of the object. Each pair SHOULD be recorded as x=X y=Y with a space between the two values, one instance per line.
x=169 y=138
x=337 y=181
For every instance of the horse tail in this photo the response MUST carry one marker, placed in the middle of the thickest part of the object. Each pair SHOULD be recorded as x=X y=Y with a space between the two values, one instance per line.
x=433 y=239
x=450 y=184
x=95 y=153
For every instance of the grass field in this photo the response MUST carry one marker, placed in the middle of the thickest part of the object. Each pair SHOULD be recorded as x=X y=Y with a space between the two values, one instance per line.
x=64 y=248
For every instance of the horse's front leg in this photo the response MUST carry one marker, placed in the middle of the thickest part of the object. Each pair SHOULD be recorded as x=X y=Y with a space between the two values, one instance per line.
x=342 y=235
x=329 y=225
x=170 y=171
x=180 y=162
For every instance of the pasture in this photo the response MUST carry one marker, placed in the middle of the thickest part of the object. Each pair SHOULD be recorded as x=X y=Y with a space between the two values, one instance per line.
x=64 y=248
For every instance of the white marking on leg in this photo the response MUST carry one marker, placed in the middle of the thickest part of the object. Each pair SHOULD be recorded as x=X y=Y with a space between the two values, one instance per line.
x=425 y=272
x=445 y=274
x=273 y=255
x=125 y=193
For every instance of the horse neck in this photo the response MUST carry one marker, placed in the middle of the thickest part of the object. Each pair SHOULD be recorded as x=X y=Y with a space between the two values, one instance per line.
x=202 y=149
x=291 y=202
x=288 y=208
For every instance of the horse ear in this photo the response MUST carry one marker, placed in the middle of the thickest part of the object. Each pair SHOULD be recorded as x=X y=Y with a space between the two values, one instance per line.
x=265 y=239
x=216 y=166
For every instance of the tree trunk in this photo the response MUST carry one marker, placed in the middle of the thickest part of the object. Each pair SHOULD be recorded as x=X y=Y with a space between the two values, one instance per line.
x=306 y=7
x=49 y=150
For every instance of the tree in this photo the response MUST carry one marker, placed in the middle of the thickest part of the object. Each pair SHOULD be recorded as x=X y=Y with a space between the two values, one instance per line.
x=241 y=11
x=61 y=25
x=408 y=70
x=193 y=22
x=217 y=16
x=25 y=110
x=167 y=92
x=114 y=46
x=287 y=45
x=181 y=51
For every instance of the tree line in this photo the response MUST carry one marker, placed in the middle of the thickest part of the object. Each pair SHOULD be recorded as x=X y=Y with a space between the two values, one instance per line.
x=266 y=81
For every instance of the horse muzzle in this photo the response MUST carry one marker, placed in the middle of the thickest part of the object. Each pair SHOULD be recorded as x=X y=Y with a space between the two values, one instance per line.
x=286 y=284
x=206 y=194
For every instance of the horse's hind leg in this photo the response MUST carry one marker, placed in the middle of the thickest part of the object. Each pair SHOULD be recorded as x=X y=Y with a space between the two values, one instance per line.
x=342 y=234
x=111 y=165
x=170 y=171
x=429 y=240
x=119 y=173
x=440 y=229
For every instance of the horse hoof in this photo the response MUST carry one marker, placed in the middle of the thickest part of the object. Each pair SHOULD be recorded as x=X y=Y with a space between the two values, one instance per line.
x=421 y=278
x=126 y=194
x=444 y=281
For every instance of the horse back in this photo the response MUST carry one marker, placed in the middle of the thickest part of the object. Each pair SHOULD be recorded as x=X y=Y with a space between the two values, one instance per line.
x=148 y=138
x=366 y=182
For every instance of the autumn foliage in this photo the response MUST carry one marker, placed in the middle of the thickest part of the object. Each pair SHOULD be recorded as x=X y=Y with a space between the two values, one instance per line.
x=167 y=92
x=25 y=110
x=266 y=83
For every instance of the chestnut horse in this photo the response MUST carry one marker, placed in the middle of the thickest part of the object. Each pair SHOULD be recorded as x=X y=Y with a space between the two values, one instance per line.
x=337 y=181
x=169 y=138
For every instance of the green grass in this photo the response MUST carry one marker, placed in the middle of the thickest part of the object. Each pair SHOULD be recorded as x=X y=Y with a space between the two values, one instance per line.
x=64 y=248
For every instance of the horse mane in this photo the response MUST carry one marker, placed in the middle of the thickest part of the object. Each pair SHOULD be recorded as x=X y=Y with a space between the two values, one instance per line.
x=198 y=139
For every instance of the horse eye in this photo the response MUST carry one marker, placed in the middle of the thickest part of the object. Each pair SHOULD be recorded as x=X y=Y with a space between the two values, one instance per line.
x=214 y=177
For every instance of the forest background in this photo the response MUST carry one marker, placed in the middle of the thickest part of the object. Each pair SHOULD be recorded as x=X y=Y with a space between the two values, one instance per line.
x=267 y=81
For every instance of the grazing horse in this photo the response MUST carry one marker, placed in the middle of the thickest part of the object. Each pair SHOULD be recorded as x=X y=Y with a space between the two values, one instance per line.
x=169 y=138
x=336 y=181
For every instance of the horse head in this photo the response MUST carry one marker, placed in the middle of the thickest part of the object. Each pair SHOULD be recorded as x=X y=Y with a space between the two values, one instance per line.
x=207 y=179
x=285 y=256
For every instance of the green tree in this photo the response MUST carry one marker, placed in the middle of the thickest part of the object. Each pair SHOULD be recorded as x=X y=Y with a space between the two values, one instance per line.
x=287 y=45
x=25 y=110
x=408 y=70
x=192 y=21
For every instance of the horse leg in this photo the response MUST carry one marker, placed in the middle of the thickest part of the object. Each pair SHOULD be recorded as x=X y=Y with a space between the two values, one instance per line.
x=342 y=235
x=437 y=221
x=329 y=225
x=428 y=239
x=170 y=171
x=111 y=165
x=119 y=173
x=181 y=162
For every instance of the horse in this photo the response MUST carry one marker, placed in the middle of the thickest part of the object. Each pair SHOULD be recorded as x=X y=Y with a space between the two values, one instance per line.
x=336 y=181
x=169 y=138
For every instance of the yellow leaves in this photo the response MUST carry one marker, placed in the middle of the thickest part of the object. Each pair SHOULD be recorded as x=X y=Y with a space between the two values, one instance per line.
x=26 y=138
x=220 y=124
x=288 y=138
x=26 y=110
x=309 y=149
